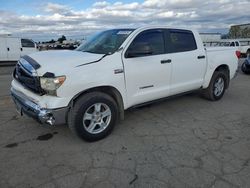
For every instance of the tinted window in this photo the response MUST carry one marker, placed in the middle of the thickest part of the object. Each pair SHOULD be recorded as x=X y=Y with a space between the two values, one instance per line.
x=237 y=44
x=151 y=40
x=181 y=41
x=27 y=43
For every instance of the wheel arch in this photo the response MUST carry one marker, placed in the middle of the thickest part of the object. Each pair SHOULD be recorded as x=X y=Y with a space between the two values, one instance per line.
x=210 y=73
x=110 y=90
x=226 y=69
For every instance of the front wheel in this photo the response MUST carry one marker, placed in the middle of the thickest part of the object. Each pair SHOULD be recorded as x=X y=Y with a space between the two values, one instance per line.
x=93 y=116
x=217 y=86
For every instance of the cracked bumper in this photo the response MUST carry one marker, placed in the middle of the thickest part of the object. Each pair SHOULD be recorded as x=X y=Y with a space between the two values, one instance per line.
x=42 y=115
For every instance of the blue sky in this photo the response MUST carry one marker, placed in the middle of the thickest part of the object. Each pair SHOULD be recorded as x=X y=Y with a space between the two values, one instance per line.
x=20 y=6
x=46 y=19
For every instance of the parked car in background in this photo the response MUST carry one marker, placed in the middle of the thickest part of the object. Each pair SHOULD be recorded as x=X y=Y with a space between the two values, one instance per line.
x=90 y=88
x=246 y=65
x=243 y=45
x=12 y=48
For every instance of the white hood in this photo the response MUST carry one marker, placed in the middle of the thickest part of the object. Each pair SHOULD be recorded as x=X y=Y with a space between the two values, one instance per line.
x=58 y=61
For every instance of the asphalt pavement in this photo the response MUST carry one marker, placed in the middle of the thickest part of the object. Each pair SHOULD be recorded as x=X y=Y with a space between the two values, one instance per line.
x=183 y=142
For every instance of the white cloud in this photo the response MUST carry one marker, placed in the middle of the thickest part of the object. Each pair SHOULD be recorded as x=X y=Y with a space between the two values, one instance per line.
x=167 y=14
x=57 y=18
x=169 y=3
x=101 y=4
x=55 y=8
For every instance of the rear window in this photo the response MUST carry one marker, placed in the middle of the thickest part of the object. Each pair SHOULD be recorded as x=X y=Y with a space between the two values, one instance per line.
x=181 y=41
x=27 y=43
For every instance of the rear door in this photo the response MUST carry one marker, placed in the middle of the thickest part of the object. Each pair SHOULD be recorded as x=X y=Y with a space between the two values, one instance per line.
x=3 y=50
x=188 y=61
x=13 y=48
x=147 y=76
x=28 y=47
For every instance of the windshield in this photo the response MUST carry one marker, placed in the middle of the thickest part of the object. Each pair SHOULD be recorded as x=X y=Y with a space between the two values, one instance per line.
x=106 y=42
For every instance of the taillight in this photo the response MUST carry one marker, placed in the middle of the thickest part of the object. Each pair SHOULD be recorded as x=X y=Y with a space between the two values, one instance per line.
x=238 y=54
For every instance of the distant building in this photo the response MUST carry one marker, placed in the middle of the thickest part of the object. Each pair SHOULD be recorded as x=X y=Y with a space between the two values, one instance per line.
x=210 y=37
x=242 y=26
x=240 y=31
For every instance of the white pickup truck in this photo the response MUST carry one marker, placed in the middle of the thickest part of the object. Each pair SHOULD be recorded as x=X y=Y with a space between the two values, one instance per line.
x=90 y=88
x=242 y=45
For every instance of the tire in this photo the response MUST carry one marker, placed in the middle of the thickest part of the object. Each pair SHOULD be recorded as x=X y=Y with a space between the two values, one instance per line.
x=87 y=118
x=243 y=68
x=217 y=86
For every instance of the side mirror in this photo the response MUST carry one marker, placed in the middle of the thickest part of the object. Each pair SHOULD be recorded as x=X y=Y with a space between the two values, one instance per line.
x=138 y=50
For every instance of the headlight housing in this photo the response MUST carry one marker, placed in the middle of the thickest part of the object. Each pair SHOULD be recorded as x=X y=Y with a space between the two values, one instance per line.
x=52 y=84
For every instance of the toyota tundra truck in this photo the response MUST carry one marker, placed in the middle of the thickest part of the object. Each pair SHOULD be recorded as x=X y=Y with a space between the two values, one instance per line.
x=90 y=88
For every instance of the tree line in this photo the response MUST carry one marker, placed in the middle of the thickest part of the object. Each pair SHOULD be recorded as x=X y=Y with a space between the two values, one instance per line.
x=60 y=40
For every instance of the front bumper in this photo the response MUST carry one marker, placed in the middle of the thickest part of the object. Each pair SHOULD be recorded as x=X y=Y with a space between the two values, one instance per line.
x=45 y=116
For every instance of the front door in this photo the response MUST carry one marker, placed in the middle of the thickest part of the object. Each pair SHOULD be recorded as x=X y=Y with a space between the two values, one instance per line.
x=147 y=69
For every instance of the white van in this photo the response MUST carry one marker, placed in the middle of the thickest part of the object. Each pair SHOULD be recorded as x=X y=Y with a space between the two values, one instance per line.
x=12 y=48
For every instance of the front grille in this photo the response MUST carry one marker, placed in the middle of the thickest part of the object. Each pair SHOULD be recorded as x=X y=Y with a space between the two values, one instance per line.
x=27 y=79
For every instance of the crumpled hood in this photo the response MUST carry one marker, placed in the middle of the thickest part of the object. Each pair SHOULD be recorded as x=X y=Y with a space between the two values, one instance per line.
x=60 y=61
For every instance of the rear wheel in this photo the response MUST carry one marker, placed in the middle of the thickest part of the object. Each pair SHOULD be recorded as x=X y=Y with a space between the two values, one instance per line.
x=93 y=116
x=217 y=86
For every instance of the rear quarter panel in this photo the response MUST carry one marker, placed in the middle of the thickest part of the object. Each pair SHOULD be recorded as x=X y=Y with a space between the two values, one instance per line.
x=218 y=56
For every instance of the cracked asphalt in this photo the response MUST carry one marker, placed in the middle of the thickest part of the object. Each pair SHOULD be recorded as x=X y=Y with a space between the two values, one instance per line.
x=182 y=142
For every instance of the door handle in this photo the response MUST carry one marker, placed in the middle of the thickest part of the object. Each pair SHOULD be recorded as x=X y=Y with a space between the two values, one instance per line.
x=201 y=57
x=8 y=49
x=166 y=61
